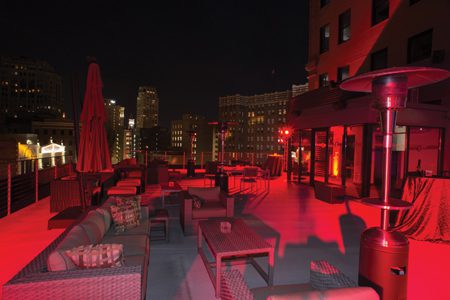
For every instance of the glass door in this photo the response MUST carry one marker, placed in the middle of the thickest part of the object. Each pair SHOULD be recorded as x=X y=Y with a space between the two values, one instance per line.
x=354 y=160
x=320 y=155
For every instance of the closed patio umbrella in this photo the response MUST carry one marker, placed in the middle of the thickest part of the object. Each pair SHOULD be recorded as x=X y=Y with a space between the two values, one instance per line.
x=93 y=152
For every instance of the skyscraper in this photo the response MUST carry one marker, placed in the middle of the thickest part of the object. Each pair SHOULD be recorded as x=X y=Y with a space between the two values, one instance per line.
x=114 y=128
x=147 y=107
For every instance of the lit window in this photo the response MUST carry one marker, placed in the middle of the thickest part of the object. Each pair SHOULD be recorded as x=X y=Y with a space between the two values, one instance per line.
x=344 y=26
x=343 y=73
x=323 y=80
x=324 y=38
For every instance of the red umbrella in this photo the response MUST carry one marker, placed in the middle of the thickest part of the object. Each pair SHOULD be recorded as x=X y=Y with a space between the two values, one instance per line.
x=93 y=152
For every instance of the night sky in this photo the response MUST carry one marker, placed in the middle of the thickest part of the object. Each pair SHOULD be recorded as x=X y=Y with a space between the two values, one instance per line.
x=191 y=51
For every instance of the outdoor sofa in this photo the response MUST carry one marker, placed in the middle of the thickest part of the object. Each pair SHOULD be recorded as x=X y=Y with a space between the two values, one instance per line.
x=326 y=283
x=216 y=204
x=65 y=281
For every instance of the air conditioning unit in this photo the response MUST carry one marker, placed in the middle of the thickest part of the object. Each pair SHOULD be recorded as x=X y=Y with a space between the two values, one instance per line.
x=438 y=56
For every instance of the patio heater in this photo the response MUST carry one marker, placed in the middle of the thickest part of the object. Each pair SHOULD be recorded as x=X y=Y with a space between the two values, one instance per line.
x=191 y=161
x=221 y=176
x=383 y=252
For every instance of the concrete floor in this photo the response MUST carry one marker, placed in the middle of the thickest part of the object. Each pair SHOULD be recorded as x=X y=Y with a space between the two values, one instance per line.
x=301 y=227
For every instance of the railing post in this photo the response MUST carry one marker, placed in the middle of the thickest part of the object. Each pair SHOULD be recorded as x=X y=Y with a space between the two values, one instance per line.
x=165 y=155
x=184 y=160
x=9 y=189
x=36 y=180
x=56 y=168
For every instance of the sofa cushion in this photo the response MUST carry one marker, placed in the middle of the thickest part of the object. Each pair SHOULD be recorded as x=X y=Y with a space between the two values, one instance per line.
x=324 y=276
x=288 y=290
x=143 y=229
x=129 y=182
x=208 y=193
x=94 y=226
x=132 y=244
x=210 y=209
x=197 y=202
x=107 y=218
x=98 y=218
x=135 y=260
x=58 y=260
x=97 y=256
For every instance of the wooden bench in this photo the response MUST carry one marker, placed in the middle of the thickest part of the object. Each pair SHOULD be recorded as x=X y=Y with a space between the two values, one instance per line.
x=330 y=193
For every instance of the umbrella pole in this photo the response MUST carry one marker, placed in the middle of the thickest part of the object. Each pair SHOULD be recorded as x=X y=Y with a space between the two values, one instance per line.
x=76 y=130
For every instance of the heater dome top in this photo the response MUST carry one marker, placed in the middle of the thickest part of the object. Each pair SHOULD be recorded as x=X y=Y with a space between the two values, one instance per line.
x=417 y=76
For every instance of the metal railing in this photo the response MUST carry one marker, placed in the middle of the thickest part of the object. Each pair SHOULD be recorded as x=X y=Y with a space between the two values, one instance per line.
x=23 y=182
x=179 y=159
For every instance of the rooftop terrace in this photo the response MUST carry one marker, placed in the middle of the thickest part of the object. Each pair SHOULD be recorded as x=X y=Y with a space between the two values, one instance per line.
x=301 y=227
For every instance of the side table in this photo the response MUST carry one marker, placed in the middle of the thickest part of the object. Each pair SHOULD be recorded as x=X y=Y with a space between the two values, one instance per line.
x=161 y=216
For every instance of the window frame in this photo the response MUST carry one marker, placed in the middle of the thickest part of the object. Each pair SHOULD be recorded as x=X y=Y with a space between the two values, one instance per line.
x=409 y=58
x=342 y=26
x=339 y=73
x=378 y=52
x=322 y=41
x=376 y=21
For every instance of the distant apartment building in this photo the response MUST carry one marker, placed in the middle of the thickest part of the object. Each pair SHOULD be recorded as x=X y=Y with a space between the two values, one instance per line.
x=180 y=139
x=155 y=139
x=257 y=119
x=114 y=128
x=338 y=137
x=58 y=131
x=29 y=86
x=147 y=107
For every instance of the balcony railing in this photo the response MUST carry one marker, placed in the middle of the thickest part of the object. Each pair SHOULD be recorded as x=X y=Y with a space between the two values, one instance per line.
x=27 y=181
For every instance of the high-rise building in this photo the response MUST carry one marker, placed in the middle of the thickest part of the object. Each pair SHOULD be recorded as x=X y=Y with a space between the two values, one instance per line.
x=147 y=107
x=29 y=86
x=257 y=120
x=298 y=89
x=114 y=129
x=129 y=140
x=180 y=139
x=339 y=139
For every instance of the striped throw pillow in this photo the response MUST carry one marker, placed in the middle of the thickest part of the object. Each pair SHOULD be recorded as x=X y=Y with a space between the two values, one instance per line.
x=121 y=201
x=97 y=256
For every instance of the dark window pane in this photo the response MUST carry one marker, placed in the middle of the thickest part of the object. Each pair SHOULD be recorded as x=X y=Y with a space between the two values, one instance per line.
x=344 y=26
x=380 y=11
x=378 y=60
x=324 y=2
x=420 y=46
x=343 y=73
x=324 y=38
x=323 y=80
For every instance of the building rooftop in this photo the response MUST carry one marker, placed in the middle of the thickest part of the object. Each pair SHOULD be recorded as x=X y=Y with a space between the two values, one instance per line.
x=301 y=227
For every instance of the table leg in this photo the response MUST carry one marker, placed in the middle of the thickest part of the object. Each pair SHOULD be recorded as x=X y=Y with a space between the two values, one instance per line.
x=162 y=199
x=271 y=266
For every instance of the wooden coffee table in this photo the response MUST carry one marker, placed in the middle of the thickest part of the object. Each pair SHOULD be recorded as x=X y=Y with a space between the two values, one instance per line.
x=172 y=187
x=241 y=245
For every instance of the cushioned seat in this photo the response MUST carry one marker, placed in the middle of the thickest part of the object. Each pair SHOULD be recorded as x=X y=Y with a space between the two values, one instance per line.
x=135 y=260
x=129 y=182
x=142 y=229
x=132 y=244
x=210 y=209
x=122 y=190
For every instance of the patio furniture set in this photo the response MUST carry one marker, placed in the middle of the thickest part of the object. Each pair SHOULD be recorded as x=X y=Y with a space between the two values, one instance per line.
x=205 y=211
